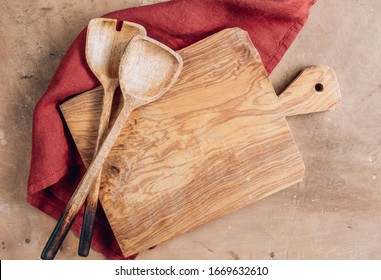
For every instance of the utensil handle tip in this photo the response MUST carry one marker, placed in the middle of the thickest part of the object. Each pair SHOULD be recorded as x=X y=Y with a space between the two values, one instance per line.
x=87 y=230
x=56 y=238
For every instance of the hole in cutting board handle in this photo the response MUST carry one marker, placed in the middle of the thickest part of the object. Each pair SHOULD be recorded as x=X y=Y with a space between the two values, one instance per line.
x=119 y=25
x=319 y=87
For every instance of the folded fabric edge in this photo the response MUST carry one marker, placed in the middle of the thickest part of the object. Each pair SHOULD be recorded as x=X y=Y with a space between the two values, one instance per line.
x=287 y=40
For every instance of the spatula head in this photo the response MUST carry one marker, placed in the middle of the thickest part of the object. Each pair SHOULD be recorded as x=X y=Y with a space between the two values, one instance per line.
x=147 y=70
x=105 y=45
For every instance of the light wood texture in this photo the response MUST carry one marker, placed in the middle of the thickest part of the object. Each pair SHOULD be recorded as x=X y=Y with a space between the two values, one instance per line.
x=147 y=70
x=105 y=46
x=314 y=90
x=216 y=142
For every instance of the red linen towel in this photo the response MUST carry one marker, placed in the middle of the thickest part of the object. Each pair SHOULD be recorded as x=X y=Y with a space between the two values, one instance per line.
x=56 y=167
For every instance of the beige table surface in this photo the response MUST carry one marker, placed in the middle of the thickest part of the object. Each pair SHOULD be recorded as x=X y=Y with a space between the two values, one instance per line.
x=335 y=213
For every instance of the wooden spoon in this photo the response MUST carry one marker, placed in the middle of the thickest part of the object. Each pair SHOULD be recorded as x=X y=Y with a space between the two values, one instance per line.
x=105 y=46
x=147 y=70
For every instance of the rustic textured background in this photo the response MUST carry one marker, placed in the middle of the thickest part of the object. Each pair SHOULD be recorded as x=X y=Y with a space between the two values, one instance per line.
x=335 y=213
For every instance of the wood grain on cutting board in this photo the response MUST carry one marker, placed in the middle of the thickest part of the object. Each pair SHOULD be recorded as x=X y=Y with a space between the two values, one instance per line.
x=216 y=142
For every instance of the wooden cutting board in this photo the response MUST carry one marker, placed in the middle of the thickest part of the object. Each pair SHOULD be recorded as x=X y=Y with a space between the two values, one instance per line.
x=217 y=141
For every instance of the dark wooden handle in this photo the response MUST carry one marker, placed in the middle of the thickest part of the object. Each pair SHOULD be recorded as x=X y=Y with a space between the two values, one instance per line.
x=58 y=235
x=87 y=230
x=89 y=218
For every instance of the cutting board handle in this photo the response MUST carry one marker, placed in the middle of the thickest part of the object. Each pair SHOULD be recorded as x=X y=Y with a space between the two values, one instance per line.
x=314 y=90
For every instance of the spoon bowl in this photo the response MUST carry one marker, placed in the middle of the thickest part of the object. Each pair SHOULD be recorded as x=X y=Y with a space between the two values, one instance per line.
x=148 y=68
x=105 y=46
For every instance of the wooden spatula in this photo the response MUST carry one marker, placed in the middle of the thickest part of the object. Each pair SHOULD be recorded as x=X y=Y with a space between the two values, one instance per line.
x=147 y=70
x=105 y=46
